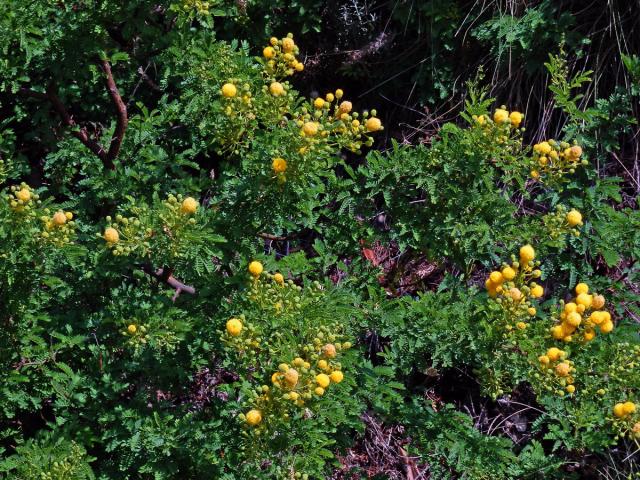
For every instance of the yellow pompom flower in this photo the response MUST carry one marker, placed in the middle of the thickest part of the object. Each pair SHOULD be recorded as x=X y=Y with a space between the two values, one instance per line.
x=310 y=129
x=24 y=195
x=496 y=278
x=111 y=235
x=229 y=90
x=508 y=273
x=543 y=148
x=255 y=268
x=291 y=377
x=339 y=93
x=288 y=45
x=606 y=327
x=336 y=376
x=329 y=350
x=597 y=302
x=189 y=206
x=276 y=89
x=563 y=369
x=527 y=253
x=521 y=325
x=322 y=364
x=319 y=391
x=584 y=299
x=329 y=97
x=59 y=218
x=279 y=165
x=554 y=353
x=318 y=102
x=629 y=407
x=537 y=291
x=234 y=327
x=570 y=388
x=254 y=417
x=618 y=410
x=574 y=217
x=323 y=380
x=531 y=311
x=268 y=53
x=516 y=118
x=582 y=288
x=132 y=329
x=373 y=124
x=574 y=319
x=544 y=359
x=500 y=116
x=278 y=278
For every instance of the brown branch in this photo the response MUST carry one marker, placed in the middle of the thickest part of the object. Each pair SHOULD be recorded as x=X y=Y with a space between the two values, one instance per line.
x=81 y=133
x=170 y=280
x=268 y=236
x=121 y=120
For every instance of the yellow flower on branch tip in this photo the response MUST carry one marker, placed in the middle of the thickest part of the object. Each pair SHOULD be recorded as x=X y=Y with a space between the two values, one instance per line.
x=276 y=89
x=269 y=52
x=537 y=291
x=278 y=278
x=508 y=273
x=554 y=353
x=111 y=235
x=24 y=195
x=189 y=206
x=543 y=148
x=500 y=116
x=59 y=218
x=234 y=327
x=496 y=278
x=132 y=329
x=629 y=407
x=606 y=327
x=318 y=102
x=527 y=253
x=279 y=165
x=618 y=410
x=319 y=391
x=336 y=376
x=288 y=45
x=574 y=217
x=329 y=350
x=563 y=369
x=323 y=380
x=254 y=417
x=516 y=118
x=310 y=129
x=582 y=288
x=255 y=268
x=598 y=301
x=229 y=90
x=373 y=124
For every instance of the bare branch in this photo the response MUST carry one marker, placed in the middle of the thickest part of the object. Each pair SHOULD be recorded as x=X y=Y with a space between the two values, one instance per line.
x=160 y=275
x=121 y=120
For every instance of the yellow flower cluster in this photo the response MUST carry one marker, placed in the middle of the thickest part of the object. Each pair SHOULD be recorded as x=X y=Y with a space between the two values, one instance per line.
x=557 y=371
x=127 y=235
x=334 y=117
x=277 y=295
x=553 y=160
x=280 y=57
x=242 y=336
x=23 y=199
x=626 y=420
x=296 y=383
x=501 y=117
x=514 y=286
x=580 y=317
x=136 y=334
x=200 y=6
x=58 y=228
x=562 y=222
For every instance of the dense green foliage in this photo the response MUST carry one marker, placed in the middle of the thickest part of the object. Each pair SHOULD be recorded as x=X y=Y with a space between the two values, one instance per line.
x=208 y=271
